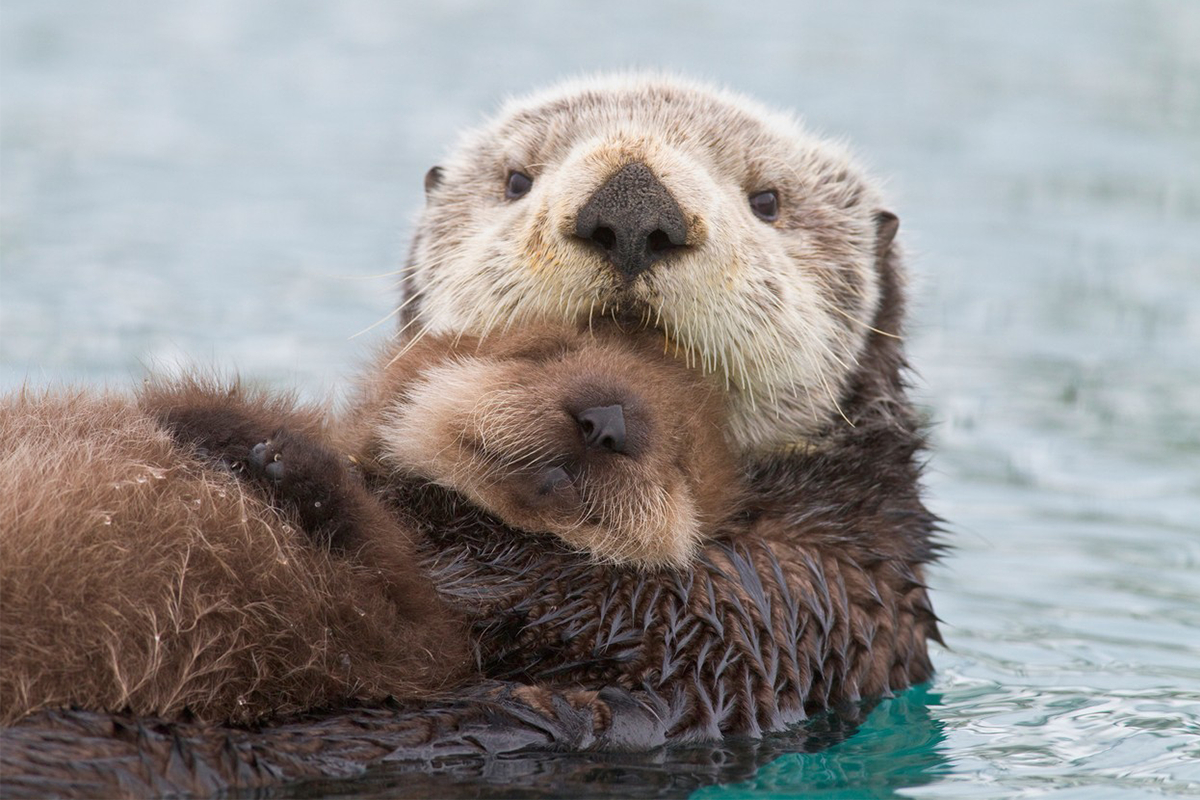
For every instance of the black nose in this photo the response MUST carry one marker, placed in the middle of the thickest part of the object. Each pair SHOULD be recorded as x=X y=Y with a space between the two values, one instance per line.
x=633 y=220
x=603 y=426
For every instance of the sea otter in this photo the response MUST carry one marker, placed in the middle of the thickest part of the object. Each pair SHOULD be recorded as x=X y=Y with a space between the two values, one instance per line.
x=209 y=551
x=765 y=259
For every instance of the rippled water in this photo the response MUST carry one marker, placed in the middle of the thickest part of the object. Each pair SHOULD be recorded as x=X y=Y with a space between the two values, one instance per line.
x=219 y=181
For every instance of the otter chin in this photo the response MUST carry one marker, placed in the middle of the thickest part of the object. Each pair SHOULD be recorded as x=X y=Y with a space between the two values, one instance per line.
x=750 y=244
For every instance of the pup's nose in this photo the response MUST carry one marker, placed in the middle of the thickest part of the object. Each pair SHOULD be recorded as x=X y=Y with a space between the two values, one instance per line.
x=603 y=426
x=633 y=220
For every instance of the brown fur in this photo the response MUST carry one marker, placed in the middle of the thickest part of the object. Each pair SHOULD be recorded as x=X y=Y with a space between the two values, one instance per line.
x=135 y=576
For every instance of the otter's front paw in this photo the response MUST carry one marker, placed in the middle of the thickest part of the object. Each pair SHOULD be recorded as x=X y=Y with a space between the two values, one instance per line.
x=305 y=477
x=267 y=458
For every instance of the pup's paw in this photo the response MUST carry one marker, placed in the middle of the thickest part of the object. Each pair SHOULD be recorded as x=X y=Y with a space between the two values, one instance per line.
x=304 y=476
x=266 y=461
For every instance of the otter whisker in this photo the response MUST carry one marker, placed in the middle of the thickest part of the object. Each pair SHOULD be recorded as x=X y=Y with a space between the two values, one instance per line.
x=379 y=276
x=399 y=333
x=395 y=311
x=857 y=321
x=408 y=345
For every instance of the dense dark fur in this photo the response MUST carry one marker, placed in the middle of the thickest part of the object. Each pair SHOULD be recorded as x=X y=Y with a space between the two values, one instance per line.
x=483 y=745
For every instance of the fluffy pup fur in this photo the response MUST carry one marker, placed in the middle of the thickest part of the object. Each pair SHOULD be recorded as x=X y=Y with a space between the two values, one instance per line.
x=499 y=422
x=136 y=576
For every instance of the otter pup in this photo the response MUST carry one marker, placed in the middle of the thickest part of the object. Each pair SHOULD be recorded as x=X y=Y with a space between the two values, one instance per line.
x=210 y=549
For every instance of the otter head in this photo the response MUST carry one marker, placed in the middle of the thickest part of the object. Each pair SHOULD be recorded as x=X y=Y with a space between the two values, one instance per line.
x=749 y=244
x=602 y=442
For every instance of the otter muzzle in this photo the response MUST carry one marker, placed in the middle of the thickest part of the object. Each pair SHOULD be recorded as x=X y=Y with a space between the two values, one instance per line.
x=632 y=220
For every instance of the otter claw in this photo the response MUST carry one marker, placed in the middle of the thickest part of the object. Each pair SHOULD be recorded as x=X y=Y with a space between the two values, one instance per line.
x=272 y=468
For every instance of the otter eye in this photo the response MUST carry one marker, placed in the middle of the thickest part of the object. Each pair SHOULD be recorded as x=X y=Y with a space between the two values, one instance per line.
x=518 y=185
x=765 y=205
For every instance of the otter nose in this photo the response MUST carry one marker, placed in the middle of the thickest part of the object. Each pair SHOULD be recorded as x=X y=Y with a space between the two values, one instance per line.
x=603 y=426
x=633 y=220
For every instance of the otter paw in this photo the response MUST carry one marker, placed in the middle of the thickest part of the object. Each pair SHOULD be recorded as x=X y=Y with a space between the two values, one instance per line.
x=298 y=468
x=267 y=458
x=307 y=478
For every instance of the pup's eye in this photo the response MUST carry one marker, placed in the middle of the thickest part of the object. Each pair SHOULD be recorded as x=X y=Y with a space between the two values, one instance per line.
x=518 y=185
x=765 y=205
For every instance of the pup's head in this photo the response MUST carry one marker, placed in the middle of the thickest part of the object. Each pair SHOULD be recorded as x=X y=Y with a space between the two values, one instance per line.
x=749 y=244
x=604 y=442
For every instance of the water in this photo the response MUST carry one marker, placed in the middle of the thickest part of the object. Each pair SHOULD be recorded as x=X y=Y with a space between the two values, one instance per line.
x=218 y=182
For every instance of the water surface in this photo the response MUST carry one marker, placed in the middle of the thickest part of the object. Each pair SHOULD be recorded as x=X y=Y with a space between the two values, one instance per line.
x=221 y=181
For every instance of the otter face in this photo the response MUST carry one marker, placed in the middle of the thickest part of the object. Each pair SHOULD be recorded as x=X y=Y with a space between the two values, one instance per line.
x=749 y=244
x=614 y=449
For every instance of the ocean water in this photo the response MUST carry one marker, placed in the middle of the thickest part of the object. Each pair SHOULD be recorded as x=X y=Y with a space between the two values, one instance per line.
x=232 y=182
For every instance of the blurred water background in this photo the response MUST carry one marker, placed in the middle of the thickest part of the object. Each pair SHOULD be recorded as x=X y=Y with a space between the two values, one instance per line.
x=230 y=182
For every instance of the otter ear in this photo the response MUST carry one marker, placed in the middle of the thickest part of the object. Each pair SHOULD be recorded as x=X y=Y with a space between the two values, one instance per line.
x=886 y=225
x=433 y=179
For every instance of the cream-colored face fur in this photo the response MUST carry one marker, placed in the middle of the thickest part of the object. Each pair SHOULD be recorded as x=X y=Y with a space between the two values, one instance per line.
x=778 y=310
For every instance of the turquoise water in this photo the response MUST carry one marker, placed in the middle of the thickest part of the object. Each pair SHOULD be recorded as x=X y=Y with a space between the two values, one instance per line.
x=221 y=181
